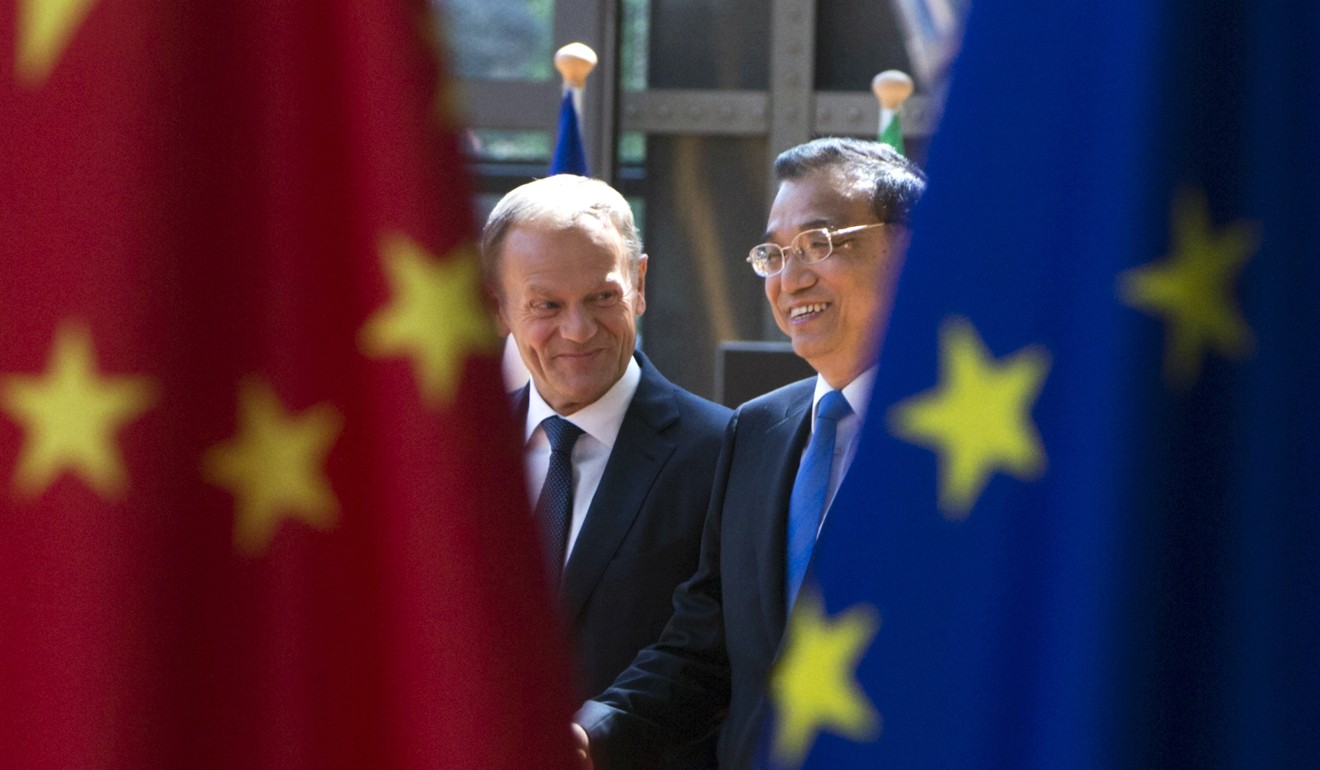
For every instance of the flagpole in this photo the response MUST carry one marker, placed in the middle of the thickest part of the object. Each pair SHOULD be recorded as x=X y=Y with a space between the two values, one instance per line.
x=575 y=62
x=891 y=89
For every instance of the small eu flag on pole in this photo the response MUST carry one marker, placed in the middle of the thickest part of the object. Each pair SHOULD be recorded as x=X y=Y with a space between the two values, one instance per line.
x=574 y=62
x=1082 y=528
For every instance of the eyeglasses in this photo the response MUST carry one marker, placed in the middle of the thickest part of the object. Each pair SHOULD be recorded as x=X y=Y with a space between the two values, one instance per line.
x=809 y=246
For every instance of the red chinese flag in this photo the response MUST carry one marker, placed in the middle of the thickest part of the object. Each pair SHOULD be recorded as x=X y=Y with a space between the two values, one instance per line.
x=260 y=500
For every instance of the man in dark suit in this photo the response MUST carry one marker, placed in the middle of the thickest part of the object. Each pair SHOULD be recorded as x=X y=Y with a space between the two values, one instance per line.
x=623 y=498
x=834 y=244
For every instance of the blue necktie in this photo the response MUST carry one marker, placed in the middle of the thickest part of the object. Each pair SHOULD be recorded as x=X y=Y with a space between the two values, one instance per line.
x=554 y=507
x=807 y=504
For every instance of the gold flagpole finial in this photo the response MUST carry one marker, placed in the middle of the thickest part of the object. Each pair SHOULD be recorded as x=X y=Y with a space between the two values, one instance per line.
x=575 y=61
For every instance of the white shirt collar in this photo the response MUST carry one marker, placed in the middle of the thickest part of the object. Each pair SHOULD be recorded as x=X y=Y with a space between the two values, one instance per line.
x=600 y=419
x=857 y=393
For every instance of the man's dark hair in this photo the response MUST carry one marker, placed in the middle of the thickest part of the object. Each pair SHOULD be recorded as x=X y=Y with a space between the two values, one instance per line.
x=895 y=183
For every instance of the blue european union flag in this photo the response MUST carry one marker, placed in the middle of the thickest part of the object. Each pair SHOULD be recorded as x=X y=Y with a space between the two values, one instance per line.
x=1083 y=526
x=570 y=156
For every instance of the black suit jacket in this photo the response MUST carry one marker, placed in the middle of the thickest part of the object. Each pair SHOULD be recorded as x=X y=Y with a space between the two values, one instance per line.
x=711 y=664
x=642 y=532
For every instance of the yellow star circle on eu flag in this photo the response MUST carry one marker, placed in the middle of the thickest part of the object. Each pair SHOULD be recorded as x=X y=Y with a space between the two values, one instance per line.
x=1192 y=289
x=978 y=419
x=70 y=415
x=814 y=683
x=44 y=30
x=435 y=316
x=275 y=466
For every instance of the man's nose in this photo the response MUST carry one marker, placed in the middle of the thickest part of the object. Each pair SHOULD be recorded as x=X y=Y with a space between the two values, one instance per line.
x=579 y=325
x=796 y=275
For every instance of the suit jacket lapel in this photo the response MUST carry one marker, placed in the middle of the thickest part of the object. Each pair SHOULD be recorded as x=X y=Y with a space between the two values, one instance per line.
x=519 y=401
x=640 y=452
x=783 y=442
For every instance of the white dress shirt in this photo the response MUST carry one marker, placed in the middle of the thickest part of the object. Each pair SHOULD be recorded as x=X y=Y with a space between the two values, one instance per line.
x=600 y=423
x=512 y=366
x=858 y=394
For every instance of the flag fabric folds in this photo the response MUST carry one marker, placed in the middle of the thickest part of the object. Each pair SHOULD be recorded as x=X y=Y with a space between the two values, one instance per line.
x=570 y=156
x=1083 y=523
x=260 y=499
x=891 y=129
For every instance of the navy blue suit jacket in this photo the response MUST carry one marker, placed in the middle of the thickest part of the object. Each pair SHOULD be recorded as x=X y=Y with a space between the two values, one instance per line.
x=710 y=666
x=642 y=532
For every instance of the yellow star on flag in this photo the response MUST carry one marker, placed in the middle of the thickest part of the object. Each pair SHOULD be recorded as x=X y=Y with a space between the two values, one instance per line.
x=70 y=415
x=44 y=30
x=435 y=316
x=978 y=419
x=1192 y=289
x=275 y=466
x=814 y=684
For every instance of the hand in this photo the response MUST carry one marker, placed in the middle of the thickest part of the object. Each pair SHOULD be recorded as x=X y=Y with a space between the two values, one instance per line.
x=583 y=746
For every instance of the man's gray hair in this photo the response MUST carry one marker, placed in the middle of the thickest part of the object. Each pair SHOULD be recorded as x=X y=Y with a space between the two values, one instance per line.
x=556 y=202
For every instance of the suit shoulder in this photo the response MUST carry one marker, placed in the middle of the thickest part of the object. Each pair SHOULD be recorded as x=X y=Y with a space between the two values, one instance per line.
x=702 y=409
x=703 y=412
x=777 y=401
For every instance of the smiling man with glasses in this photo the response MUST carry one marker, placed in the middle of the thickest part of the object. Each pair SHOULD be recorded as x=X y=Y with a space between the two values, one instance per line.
x=833 y=246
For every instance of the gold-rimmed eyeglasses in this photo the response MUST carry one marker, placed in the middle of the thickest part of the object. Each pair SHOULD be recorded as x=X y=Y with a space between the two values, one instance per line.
x=809 y=246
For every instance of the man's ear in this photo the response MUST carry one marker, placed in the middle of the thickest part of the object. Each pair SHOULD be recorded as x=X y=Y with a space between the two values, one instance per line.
x=491 y=299
x=901 y=236
x=641 y=284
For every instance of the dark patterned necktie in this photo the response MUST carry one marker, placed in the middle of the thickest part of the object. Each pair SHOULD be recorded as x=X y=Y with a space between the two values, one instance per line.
x=554 y=508
x=807 y=504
